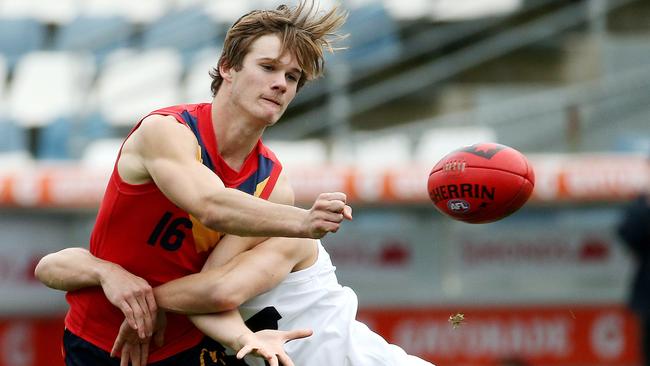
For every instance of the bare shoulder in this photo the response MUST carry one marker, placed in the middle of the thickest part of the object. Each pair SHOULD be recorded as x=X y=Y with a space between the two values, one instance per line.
x=283 y=191
x=155 y=135
x=158 y=128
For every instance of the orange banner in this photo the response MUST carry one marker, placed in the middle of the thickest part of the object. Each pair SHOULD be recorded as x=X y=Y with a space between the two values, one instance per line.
x=534 y=335
x=559 y=178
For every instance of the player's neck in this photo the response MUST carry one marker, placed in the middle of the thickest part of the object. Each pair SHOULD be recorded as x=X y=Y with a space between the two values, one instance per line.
x=236 y=135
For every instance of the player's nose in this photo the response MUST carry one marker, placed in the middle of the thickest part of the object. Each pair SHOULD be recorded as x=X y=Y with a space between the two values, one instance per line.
x=279 y=83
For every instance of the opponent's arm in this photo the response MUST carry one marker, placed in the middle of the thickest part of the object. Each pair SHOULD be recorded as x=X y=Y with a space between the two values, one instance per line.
x=75 y=268
x=227 y=286
x=272 y=265
x=166 y=152
x=229 y=329
x=233 y=273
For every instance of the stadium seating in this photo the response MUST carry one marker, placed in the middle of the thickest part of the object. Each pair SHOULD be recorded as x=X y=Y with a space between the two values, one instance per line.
x=374 y=150
x=196 y=84
x=438 y=142
x=132 y=83
x=408 y=10
x=303 y=152
x=98 y=35
x=372 y=40
x=48 y=85
x=101 y=153
x=227 y=12
x=137 y=12
x=94 y=127
x=187 y=31
x=48 y=12
x=13 y=138
x=19 y=36
x=4 y=69
x=53 y=140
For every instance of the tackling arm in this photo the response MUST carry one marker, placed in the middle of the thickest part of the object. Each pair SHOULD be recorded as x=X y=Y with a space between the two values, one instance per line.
x=73 y=268
x=234 y=272
x=227 y=286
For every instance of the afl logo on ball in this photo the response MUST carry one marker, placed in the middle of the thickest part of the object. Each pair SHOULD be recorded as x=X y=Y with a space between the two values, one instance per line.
x=458 y=206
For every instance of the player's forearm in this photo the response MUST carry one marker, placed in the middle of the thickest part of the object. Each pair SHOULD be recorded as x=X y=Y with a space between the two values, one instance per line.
x=226 y=328
x=225 y=286
x=71 y=269
x=235 y=212
x=199 y=293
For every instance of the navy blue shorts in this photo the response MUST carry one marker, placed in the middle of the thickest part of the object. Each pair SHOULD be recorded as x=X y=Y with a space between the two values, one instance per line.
x=79 y=352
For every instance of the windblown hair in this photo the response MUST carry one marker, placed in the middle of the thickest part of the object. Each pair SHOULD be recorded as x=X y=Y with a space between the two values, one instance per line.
x=303 y=30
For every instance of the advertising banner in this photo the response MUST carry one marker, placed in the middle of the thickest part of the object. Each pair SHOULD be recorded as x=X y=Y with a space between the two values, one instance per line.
x=31 y=341
x=548 y=335
x=530 y=335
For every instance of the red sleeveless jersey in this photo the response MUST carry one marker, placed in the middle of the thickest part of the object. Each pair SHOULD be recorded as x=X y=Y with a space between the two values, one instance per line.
x=140 y=229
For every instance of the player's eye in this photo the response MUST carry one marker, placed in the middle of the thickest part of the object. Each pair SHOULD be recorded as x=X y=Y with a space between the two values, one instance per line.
x=292 y=77
x=267 y=67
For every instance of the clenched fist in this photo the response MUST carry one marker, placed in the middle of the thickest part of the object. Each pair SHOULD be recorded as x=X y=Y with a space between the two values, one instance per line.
x=327 y=214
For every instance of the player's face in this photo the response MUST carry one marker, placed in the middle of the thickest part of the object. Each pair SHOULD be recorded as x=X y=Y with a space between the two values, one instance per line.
x=267 y=81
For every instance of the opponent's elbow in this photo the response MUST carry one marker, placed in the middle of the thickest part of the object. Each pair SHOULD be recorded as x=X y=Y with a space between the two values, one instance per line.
x=225 y=297
x=43 y=270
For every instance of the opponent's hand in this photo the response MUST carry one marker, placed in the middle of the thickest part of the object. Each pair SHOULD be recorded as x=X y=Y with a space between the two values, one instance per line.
x=133 y=296
x=327 y=213
x=130 y=347
x=269 y=344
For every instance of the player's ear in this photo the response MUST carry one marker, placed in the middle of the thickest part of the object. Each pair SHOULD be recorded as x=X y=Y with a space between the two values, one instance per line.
x=225 y=72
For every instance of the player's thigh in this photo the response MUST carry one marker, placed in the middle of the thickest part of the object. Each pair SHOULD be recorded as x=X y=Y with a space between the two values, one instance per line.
x=79 y=352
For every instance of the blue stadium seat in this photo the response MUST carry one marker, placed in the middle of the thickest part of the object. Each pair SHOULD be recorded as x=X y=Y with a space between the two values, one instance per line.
x=187 y=31
x=373 y=38
x=99 y=35
x=196 y=84
x=4 y=71
x=53 y=140
x=95 y=127
x=18 y=37
x=12 y=137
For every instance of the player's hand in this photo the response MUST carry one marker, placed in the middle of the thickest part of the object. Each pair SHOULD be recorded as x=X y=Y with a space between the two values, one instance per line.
x=327 y=213
x=159 y=329
x=130 y=347
x=133 y=296
x=269 y=345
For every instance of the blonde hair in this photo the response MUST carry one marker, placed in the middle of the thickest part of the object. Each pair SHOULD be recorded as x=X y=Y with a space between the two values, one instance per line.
x=303 y=31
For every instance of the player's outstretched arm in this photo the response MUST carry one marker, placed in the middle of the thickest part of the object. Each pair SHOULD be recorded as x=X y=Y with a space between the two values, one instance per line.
x=229 y=329
x=75 y=268
x=165 y=151
x=270 y=262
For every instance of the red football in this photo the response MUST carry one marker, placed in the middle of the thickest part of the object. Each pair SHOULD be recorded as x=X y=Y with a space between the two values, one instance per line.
x=481 y=183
